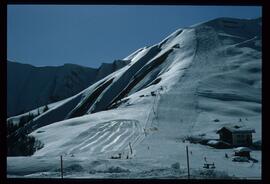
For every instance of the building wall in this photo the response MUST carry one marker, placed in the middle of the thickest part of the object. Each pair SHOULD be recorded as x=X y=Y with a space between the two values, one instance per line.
x=243 y=154
x=242 y=139
x=226 y=136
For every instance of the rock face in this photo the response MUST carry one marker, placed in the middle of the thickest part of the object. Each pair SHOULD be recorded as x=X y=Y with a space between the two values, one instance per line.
x=29 y=87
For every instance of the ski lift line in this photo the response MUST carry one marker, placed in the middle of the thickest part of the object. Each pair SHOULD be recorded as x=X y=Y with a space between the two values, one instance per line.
x=154 y=111
x=155 y=107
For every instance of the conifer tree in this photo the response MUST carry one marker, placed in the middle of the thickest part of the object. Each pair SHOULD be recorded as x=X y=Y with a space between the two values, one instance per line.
x=45 y=108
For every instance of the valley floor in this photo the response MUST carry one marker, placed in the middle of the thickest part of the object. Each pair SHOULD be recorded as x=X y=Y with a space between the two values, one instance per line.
x=172 y=167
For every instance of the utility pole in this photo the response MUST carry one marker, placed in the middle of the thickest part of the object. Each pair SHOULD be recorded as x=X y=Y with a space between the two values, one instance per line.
x=61 y=169
x=188 y=162
x=130 y=148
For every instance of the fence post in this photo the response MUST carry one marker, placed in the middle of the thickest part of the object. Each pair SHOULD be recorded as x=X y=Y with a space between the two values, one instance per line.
x=188 y=162
x=61 y=169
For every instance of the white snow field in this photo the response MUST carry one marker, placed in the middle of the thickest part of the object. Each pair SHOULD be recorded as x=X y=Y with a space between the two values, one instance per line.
x=144 y=111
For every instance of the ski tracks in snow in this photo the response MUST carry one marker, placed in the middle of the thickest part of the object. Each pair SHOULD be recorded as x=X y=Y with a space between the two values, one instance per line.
x=108 y=136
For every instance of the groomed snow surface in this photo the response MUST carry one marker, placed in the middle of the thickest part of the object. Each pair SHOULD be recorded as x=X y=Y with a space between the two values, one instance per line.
x=172 y=90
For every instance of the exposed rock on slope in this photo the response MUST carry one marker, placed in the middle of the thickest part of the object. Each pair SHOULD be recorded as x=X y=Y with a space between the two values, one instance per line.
x=30 y=87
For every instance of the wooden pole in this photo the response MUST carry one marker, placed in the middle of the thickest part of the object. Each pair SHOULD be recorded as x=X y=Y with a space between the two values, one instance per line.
x=188 y=162
x=61 y=158
x=130 y=148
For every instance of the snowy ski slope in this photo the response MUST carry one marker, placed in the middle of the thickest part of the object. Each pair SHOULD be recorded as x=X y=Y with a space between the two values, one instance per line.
x=168 y=91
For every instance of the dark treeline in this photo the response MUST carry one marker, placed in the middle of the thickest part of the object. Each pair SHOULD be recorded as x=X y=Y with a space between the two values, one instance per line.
x=21 y=144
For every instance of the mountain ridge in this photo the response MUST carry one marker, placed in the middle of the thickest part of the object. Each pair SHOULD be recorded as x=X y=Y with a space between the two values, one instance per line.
x=71 y=77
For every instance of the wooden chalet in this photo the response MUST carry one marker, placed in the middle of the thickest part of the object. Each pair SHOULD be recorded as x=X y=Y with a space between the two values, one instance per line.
x=236 y=136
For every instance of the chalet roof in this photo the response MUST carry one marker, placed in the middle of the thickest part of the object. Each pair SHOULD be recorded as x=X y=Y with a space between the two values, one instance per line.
x=236 y=129
x=242 y=149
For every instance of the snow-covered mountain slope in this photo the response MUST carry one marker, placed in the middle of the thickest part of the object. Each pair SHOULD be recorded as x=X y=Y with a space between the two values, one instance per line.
x=44 y=85
x=195 y=81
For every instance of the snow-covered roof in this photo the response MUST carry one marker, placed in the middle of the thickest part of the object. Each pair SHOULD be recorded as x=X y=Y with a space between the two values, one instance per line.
x=241 y=149
x=236 y=129
x=213 y=142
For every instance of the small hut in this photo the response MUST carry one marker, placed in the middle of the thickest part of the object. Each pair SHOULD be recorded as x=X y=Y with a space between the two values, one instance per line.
x=236 y=136
x=242 y=152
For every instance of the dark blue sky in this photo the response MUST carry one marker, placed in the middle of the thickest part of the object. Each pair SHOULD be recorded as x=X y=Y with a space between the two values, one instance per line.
x=44 y=35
